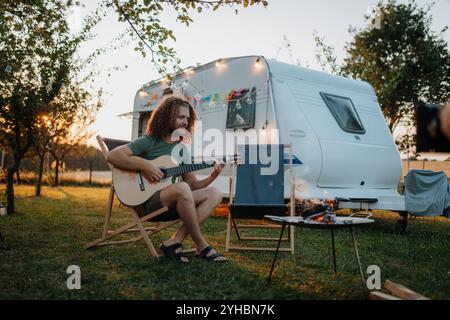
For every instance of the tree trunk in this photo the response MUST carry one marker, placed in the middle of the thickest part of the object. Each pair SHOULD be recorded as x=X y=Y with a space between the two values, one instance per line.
x=40 y=174
x=18 y=177
x=57 y=162
x=49 y=164
x=90 y=172
x=10 y=191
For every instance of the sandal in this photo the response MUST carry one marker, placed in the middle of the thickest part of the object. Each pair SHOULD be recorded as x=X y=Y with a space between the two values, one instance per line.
x=211 y=257
x=171 y=254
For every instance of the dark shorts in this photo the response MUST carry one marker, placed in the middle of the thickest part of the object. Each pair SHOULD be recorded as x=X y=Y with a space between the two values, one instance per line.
x=153 y=204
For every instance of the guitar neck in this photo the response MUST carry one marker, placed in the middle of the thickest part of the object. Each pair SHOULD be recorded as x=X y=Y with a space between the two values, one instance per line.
x=185 y=168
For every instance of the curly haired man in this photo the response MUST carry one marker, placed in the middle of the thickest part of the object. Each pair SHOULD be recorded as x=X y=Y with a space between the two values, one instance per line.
x=192 y=200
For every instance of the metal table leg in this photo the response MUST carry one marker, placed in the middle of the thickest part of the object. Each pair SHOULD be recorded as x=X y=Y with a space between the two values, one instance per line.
x=357 y=257
x=276 y=252
x=334 y=252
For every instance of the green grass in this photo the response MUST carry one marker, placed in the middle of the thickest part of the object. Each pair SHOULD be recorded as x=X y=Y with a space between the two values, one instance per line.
x=49 y=233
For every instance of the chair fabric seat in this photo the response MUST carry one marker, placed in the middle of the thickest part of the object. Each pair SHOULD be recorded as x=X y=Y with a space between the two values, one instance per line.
x=257 y=211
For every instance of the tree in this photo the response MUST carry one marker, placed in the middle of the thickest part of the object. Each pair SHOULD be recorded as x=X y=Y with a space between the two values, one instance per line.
x=36 y=58
x=403 y=60
x=76 y=130
x=64 y=126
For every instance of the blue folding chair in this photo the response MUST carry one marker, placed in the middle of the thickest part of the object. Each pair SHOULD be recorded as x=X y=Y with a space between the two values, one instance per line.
x=259 y=190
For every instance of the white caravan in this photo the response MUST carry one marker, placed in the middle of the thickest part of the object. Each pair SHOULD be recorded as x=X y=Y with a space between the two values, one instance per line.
x=341 y=144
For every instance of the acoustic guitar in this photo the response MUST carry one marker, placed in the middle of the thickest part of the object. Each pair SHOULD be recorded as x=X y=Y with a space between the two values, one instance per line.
x=132 y=188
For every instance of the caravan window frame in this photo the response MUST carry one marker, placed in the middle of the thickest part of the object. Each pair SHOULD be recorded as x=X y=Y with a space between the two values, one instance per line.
x=332 y=109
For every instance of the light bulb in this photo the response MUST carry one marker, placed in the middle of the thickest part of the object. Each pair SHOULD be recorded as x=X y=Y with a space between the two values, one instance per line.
x=220 y=64
x=142 y=93
x=189 y=71
x=258 y=64
x=212 y=104
x=238 y=105
x=198 y=96
x=249 y=99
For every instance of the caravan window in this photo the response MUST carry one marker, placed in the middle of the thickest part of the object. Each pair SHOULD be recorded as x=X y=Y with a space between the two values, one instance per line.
x=241 y=109
x=344 y=112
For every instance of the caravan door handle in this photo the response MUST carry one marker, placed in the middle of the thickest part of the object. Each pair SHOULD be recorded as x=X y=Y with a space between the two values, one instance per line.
x=297 y=133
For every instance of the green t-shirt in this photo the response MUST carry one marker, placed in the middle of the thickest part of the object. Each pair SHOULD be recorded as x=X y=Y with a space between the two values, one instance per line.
x=149 y=147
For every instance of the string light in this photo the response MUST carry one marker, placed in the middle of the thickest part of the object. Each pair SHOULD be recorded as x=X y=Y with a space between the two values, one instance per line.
x=258 y=64
x=220 y=64
x=189 y=71
x=263 y=131
x=167 y=80
x=142 y=93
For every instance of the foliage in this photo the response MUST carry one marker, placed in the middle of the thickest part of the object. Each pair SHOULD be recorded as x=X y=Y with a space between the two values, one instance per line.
x=325 y=55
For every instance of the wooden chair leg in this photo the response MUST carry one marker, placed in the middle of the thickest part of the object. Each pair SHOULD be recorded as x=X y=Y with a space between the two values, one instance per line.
x=227 y=242
x=144 y=234
x=235 y=225
x=108 y=212
x=292 y=238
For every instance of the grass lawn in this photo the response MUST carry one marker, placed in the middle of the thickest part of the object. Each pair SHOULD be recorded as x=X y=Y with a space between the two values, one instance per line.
x=49 y=233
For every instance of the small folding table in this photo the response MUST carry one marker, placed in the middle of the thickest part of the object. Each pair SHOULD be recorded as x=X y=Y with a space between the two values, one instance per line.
x=339 y=223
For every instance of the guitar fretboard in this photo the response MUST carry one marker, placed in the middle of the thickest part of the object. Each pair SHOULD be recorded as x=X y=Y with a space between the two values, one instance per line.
x=185 y=168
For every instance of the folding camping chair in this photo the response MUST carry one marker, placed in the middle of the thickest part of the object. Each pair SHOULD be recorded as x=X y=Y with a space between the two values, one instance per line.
x=138 y=222
x=260 y=192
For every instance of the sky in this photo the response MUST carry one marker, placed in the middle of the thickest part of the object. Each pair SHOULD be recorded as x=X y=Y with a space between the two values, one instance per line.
x=220 y=34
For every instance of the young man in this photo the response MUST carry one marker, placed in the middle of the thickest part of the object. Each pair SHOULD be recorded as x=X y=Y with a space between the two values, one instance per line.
x=191 y=200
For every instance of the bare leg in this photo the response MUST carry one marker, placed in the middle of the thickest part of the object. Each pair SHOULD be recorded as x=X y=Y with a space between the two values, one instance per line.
x=204 y=202
x=180 y=196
